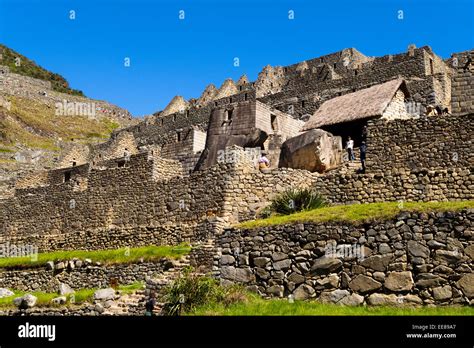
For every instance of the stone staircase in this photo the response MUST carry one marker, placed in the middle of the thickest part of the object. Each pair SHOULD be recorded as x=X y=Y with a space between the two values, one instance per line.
x=134 y=303
x=128 y=304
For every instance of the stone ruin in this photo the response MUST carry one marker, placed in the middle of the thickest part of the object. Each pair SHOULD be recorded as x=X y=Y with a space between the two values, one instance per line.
x=185 y=174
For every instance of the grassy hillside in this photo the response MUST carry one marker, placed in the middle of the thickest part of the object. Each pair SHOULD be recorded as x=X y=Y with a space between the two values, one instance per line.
x=29 y=68
x=35 y=125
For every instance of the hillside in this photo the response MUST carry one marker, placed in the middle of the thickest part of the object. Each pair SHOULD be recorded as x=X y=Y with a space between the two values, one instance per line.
x=21 y=65
x=40 y=115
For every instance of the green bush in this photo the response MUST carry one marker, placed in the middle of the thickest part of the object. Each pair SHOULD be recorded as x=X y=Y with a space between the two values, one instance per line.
x=294 y=200
x=190 y=291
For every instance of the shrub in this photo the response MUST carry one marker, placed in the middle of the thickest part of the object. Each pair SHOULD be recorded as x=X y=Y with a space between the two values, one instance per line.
x=293 y=200
x=189 y=291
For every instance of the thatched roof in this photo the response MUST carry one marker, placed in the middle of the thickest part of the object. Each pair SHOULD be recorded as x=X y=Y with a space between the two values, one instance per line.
x=366 y=103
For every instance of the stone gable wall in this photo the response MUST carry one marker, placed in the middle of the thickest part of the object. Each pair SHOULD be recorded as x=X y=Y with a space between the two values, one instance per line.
x=427 y=142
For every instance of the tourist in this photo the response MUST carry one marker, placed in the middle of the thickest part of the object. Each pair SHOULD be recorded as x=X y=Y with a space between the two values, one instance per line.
x=430 y=111
x=263 y=162
x=363 y=151
x=350 y=148
x=150 y=305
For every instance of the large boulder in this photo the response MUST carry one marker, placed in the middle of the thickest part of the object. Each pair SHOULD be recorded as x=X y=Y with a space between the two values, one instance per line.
x=399 y=281
x=239 y=275
x=315 y=150
x=104 y=294
x=466 y=283
x=377 y=262
x=303 y=292
x=383 y=300
x=352 y=300
x=6 y=293
x=364 y=284
x=25 y=301
x=325 y=265
x=65 y=289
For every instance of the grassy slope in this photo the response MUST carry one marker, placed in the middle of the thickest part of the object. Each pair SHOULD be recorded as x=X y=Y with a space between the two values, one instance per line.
x=255 y=306
x=35 y=125
x=357 y=213
x=124 y=255
x=29 y=68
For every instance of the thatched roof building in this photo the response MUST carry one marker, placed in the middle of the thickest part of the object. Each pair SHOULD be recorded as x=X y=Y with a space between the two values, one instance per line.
x=384 y=99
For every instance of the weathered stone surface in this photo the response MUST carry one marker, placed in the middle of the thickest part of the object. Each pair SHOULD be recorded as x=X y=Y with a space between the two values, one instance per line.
x=352 y=300
x=314 y=150
x=399 y=281
x=329 y=282
x=466 y=283
x=227 y=260
x=261 y=261
x=303 y=292
x=282 y=265
x=104 y=294
x=469 y=251
x=442 y=293
x=275 y=290
x=6 y=293
x=325 y=265
x=448 y=256
x=333 y=296
x=383 y=300
x=50 y=265
x=59 y=300
x=417 y=249
x=377 y=262
x=65 y=289
x=428 y=280
x=296 y=278
x=364 y=284
x=25 y=301
x=278 y=256
x=243 y=275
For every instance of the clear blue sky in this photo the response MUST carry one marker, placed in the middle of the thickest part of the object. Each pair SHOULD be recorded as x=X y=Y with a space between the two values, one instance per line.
x=172 y=57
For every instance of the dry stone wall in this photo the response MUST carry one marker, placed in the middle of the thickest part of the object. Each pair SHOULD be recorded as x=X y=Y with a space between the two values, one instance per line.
x=414 y=258
x=82 y=276
x=427 y=142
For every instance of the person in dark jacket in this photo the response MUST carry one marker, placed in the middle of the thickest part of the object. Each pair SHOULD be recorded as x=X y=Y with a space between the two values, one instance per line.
x=363 y=151
x=150 y=305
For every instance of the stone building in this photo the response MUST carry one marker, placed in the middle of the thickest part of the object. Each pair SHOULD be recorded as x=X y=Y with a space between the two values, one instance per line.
x=248 y=124
x=346 y=115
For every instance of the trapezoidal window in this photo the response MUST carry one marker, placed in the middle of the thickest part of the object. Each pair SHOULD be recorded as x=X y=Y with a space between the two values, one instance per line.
x=274 y=123
x=229 y=114
x=303 y=103
x=246 y=97
x=431 y=67
x=67 y=176
x=120 y=163
x=178 y=136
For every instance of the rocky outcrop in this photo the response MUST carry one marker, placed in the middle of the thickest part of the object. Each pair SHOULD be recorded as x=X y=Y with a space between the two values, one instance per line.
x=315 y=150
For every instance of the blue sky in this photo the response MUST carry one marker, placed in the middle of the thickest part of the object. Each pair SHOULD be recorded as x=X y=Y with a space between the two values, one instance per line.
x=171 y=57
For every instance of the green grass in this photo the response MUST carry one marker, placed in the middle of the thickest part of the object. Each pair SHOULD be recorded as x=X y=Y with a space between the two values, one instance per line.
x=357 y=213
x=80 y=296
x=256 y=306
x=5 y=150
x=123 y=255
